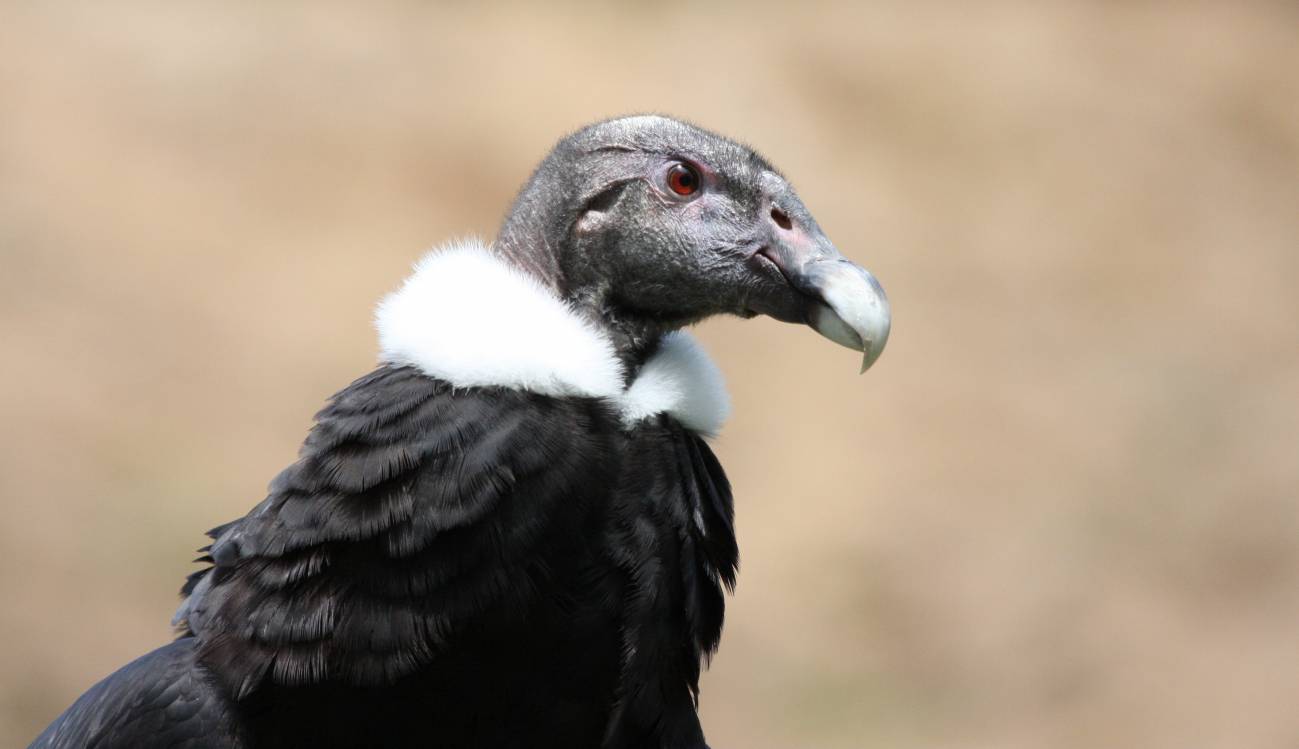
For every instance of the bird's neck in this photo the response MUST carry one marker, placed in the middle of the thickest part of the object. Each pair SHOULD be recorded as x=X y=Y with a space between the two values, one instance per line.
x=634 y=337
x=634 y=340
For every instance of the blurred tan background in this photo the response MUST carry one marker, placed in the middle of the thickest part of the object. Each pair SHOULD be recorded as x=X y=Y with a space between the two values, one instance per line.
x=1063 y=510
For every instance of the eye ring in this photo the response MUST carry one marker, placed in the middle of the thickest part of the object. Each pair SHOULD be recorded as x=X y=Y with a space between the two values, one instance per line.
x=682 y=179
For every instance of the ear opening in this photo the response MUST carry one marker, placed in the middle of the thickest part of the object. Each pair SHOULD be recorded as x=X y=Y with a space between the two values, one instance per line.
x=605 y=199
x=600 y=204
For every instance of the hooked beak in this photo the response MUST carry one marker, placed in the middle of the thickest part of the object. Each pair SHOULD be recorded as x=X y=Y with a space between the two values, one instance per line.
x=840 y=300
x=853 y=310
x=837 y=298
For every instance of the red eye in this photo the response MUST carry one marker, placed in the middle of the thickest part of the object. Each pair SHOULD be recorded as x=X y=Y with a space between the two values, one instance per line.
x=683 y=180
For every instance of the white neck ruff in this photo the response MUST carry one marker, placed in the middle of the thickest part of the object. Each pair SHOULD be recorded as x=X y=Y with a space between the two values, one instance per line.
x=469 y=318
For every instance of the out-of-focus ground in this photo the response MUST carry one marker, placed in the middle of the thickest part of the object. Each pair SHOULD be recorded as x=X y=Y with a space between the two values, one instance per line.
x=1063 y=509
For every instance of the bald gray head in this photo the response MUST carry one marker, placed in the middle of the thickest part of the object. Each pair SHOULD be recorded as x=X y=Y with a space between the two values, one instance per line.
x=647 y=224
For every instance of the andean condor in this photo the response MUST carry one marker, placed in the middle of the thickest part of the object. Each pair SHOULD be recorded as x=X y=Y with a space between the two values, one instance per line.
x=511 y=533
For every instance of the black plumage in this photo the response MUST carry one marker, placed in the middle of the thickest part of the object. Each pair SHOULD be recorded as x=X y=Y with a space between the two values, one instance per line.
x=482 y=565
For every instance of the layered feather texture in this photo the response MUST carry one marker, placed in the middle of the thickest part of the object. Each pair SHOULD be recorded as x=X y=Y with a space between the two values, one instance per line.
x=475 y=548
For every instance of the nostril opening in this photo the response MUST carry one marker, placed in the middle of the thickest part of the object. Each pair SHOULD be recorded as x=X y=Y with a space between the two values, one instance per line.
x=781 y=219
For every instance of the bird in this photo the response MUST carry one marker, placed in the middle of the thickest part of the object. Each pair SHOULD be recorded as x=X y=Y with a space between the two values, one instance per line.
x=512 y=532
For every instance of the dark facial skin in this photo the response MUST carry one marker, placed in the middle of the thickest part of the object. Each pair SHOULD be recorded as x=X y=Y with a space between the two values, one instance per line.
x=604 y=223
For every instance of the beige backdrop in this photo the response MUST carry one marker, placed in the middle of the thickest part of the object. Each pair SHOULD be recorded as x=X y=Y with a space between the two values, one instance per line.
x=1060 y=512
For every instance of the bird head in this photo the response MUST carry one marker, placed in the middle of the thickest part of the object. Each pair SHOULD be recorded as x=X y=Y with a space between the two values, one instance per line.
x=646 y=224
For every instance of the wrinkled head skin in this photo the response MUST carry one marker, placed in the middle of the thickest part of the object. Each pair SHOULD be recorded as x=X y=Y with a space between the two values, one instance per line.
x=647 y=224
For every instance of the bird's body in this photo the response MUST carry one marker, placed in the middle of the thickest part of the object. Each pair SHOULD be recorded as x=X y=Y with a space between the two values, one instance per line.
x=512 y=533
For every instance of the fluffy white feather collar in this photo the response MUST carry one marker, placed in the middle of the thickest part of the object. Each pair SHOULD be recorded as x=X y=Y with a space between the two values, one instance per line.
x=471 y=319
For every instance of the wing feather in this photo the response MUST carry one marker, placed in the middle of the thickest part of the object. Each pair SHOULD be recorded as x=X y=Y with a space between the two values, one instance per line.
x=414 y=512
x=163 y=698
